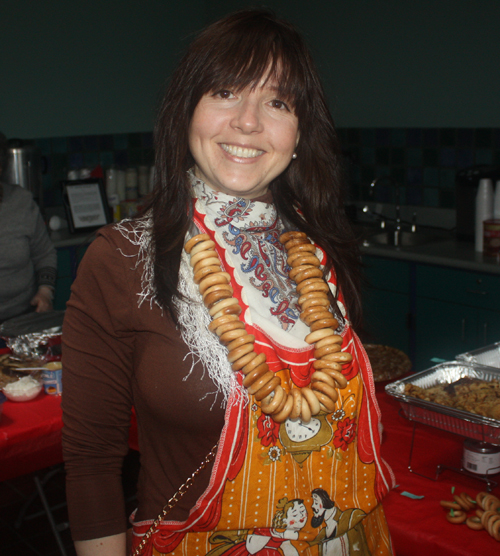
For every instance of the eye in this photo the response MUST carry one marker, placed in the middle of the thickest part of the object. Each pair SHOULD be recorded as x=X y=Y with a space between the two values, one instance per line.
x=279 y=104
x=224 y=94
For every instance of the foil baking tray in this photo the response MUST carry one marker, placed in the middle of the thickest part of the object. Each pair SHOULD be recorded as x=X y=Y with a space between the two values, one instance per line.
x=442 y=417
x=488 y=355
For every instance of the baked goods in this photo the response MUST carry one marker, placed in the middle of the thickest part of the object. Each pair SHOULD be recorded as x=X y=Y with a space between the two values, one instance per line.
x=10 y=365
x=387 y=362
x=474 y=395
x=485 y=508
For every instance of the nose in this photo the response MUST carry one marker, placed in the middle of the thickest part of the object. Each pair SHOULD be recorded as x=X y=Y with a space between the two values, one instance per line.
x=247 y=117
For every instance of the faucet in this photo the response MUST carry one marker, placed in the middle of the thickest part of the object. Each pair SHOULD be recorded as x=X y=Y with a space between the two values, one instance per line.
x=397 y=229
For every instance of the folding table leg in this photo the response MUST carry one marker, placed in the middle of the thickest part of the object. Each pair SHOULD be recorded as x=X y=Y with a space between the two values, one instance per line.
x=50 y=517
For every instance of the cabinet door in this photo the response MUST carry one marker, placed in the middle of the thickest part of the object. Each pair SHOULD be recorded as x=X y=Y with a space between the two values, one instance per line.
x=386 y=303
x=386 y=319
x=443 y=330
x=488 y=328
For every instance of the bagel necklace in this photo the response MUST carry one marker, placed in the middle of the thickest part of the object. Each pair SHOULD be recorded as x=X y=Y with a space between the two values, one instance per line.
x=259 y=380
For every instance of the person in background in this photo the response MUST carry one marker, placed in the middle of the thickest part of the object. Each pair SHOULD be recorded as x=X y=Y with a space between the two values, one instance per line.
x=28 y=259
x=223 y=315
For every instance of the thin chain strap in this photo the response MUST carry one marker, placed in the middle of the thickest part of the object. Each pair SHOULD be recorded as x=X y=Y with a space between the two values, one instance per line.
x=173 y=501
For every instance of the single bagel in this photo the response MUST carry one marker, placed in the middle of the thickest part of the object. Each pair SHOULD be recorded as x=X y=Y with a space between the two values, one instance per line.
x=312 y=400
x=203 y=246
x=202 y=255
x=217 y=288
x=335 y=339
x=228 y=310
x=259 y=382
x=301 y=248
x=238 y=352
x=240 y=363
x=242 y=340
x=316 y=301
x=212 y=280
x=311 y=260
x=261 y=358
x=326 y=403
x=194 y=240
x=265 y=390
x=232 y=335
x=208 y=262
x=297 y=403
x=293 y=234
x=222 y=305
x=232 y=325
x=313 y=337
x=224 y=319
x=273 y=401
x=323 y=323
x=285 y=412
x=205 y=271
x=256 y=373
x=309 y=272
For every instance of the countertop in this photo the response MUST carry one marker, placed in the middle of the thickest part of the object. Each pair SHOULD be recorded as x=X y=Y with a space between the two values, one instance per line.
x=445 y=250
x=64 y=238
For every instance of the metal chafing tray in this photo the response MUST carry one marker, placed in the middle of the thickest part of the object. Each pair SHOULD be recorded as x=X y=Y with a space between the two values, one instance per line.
x=488 y=355
x=442 y=417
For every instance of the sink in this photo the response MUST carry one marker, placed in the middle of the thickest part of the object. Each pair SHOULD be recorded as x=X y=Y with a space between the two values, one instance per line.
x=405 y=238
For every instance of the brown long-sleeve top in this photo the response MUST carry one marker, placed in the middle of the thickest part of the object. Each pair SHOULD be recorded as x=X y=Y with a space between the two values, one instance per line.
x=117 y=355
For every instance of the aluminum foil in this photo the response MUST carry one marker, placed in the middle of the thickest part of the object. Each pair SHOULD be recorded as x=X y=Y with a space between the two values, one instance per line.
x=489 y=355
x=32 y=345
x=440 y=416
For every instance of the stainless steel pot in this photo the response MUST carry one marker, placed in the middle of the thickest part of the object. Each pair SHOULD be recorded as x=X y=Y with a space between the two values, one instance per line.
x=24 y=167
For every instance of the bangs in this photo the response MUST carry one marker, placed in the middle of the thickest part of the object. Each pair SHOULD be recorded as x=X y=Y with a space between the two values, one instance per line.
x=256 y=56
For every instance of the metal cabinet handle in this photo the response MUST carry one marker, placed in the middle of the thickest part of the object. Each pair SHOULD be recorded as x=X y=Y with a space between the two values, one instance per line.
x=476 y=292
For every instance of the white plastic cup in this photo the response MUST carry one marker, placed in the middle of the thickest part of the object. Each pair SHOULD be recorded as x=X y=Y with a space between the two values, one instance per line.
x=484 y=210
x=496 y=202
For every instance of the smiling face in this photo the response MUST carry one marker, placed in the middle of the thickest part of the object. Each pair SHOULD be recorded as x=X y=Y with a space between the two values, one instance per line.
x=241 y=141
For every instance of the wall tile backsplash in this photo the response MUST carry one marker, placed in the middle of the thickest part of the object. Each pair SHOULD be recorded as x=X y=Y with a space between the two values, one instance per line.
x=73 y=153
x=422 y=161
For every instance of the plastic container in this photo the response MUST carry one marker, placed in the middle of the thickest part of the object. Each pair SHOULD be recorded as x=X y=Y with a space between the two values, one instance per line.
x=52 y=378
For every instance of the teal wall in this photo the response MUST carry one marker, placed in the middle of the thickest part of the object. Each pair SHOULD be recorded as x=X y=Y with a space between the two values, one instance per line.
x=79 y=67
x=402 y=63
x=98 y=66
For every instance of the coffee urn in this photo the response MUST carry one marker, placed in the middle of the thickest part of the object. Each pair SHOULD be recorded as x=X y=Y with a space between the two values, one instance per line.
x=24 y=168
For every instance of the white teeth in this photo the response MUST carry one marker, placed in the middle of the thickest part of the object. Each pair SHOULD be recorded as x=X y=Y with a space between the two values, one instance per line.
x=240 y=151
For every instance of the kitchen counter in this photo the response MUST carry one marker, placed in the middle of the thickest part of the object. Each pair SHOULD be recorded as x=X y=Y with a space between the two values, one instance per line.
x=444 y=251
x=63 y=238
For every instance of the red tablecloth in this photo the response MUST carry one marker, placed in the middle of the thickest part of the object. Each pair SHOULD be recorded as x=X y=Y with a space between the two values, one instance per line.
x=30 y=436
x=419 y=527
x=30 y=439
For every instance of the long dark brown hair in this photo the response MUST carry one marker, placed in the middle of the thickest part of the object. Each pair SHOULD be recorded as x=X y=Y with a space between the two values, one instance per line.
x=236 y=52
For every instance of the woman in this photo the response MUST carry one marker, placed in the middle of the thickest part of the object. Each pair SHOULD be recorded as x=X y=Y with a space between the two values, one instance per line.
x=28 y=259
x=245 y=149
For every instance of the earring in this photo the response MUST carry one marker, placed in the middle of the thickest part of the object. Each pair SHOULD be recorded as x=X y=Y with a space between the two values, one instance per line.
x=294 y=156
